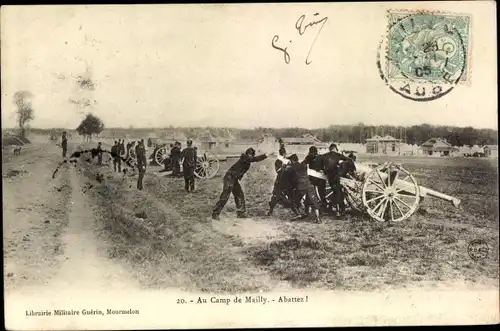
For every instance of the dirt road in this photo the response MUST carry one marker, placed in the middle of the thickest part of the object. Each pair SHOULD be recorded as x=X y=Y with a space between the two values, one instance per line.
x=49 y=239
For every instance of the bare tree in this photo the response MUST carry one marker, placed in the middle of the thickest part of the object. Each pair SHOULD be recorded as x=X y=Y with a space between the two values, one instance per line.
x=25 y=113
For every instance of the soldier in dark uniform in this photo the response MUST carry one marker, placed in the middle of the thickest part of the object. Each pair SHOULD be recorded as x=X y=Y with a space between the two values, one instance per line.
x=167 y=161
x=283 y=190
x=330 y=166
x=140 y=151
x=232 y=184
x=64 y=144
x=304 y=186
x=175 y=157
x=281 y=143
x=313 y=160
x=115 y=154
x=129 y=146
x=189 y=157
x=99 y=153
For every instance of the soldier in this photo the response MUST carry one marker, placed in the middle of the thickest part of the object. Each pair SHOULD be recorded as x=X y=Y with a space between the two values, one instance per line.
x=304 y=186
x=175 y=157
x=115 y=154
x=140 y=151
x=121 y=148
x=189 y=157
x=313 y=160
x=232 y=184
x=129 y=146
x=330 y=166
x=99 y=153
x=64 y=144
x=283 y=190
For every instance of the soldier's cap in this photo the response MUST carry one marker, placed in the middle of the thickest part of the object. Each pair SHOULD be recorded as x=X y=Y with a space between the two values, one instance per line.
x=333 y=146
x=313 y=149
x=294 y=158
x=250 y=151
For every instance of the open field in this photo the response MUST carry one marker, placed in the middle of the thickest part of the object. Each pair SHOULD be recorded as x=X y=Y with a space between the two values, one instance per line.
x=164 y=238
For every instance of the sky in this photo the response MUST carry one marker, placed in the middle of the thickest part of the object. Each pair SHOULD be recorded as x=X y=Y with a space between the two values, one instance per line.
x=214 y=65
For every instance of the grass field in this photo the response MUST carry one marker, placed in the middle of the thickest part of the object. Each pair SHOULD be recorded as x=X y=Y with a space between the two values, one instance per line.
x=169 y=239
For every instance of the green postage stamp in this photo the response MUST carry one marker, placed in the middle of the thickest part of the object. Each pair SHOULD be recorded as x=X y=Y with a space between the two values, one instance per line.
x=427 y=52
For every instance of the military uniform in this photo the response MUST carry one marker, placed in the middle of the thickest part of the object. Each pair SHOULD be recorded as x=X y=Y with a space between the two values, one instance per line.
x=284 y=189
x=315 y=163
x=140 y=151
x=232 y=184
x=64 y=145
x=188 y=166
x=330 y=164
x=175 y=156
x=99 y=154
x=304 y=185
x=115 y=153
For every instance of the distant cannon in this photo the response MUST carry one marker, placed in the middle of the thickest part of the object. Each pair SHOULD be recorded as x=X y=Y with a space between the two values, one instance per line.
x=207 y=163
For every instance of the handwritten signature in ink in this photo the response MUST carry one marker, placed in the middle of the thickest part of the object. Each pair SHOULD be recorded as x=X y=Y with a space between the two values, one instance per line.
x=301 y=26
x=284 y=50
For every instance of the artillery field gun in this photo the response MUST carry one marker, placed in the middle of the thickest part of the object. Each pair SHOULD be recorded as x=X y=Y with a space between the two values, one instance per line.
x=207 y=164
x=386 y=192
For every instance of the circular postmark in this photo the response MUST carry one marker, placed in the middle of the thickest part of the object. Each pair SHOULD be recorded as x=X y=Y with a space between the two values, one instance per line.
x=424 y=55
x=478 y=249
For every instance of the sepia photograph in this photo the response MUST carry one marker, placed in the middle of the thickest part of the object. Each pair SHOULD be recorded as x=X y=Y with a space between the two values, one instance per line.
x=249 y=165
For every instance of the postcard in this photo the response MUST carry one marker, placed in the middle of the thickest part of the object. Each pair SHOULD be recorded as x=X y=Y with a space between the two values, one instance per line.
x=249 y=165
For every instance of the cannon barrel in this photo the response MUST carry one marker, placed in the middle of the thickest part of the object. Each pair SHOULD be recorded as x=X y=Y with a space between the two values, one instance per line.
x=424 y=191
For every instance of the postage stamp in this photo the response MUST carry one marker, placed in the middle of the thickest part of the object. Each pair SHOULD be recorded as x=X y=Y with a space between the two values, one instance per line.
x=425 y=54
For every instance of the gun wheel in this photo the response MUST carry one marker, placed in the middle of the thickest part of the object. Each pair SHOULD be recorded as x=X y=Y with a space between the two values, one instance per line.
x=131 y=153
x=384 y=199
x=160 y=155
x=353 y=197
x=207 y=166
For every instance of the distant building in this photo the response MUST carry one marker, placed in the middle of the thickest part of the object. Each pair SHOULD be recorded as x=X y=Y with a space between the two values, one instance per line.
x=490 y=150
x=437 y=146
x=207 y=140
x=383 y=145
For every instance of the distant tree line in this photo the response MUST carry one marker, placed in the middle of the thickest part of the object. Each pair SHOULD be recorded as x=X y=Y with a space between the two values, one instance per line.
x=416 y=134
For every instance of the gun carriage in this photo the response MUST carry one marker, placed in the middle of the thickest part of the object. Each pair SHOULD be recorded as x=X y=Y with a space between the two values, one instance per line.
x=386 y=192
x=207 y=163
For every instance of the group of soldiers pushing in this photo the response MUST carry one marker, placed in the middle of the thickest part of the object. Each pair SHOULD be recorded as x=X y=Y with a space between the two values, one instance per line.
x=292 y=183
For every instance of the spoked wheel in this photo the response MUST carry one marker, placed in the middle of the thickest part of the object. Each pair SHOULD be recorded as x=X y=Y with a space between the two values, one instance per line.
x=352 y=195
x=160 y=155
x=131 y=153
x=390 y=193
x=207 y=165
